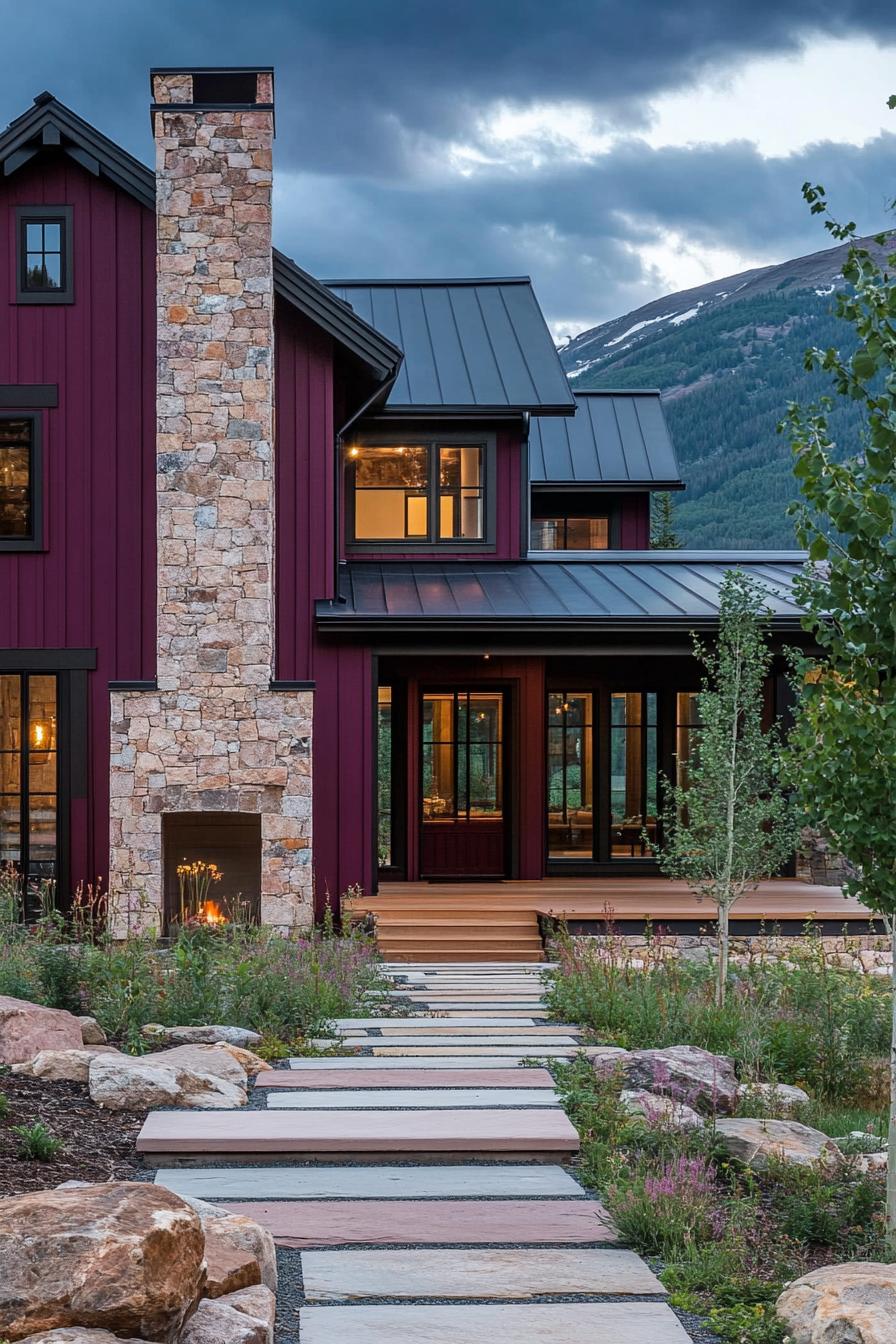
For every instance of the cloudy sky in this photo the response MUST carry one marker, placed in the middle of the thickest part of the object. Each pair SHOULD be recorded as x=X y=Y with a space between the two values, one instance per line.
x=613 y=149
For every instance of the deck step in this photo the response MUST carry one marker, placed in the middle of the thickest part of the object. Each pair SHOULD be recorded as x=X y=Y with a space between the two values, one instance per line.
x=350 y=1134
x=388 y=1076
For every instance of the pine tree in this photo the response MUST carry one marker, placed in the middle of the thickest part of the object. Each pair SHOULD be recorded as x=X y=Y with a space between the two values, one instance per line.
x=663 y=536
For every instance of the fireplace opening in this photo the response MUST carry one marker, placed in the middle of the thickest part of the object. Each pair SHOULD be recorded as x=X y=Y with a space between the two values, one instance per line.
x=212 y=867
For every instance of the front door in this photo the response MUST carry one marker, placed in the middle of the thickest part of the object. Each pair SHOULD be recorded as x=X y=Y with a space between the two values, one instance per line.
x=462 y=796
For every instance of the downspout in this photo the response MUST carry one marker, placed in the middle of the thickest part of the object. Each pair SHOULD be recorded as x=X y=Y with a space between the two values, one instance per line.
x=382 y=391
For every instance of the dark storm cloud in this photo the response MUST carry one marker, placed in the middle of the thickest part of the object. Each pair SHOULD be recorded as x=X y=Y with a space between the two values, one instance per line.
x=370 y=91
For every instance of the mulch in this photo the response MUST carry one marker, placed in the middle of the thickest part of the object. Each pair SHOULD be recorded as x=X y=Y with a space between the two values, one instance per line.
x=98 y=1145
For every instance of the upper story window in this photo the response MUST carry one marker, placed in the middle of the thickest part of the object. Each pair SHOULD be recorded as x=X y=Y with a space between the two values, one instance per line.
x=44 y=261
x=418 y=493
x=570 y=533
x=20 y=512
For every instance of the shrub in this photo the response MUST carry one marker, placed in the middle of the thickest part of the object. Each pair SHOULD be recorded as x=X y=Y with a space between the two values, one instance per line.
x=37 y=1143
x=667 y=1209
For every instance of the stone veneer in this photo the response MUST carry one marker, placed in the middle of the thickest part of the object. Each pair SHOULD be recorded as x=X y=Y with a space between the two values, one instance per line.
x=213 y=737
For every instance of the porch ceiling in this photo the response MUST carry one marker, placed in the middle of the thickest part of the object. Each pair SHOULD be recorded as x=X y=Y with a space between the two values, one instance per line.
x=635 y=590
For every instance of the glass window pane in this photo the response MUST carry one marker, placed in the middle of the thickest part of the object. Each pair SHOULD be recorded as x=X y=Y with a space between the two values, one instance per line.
x=384 y=776
x=390 y=485
x=42 y=714
x=460 y=485
x=438 y=780
x=15 y=486
x=41 y=835
x=417 y=516
x=633 y=773
x=52 y=238
x=570 y=775
x=587 y=534
x=34 y=237
x=376 y=467
x=52 y=270
x=546 y=534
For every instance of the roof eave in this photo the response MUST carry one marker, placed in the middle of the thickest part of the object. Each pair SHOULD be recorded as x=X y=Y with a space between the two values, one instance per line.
x=620 y=487
x=331 y=617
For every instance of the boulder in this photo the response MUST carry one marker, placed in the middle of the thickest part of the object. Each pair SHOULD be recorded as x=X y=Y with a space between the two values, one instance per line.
x=27 y=1028
x=64 y=1066
x=91 y=1031
x=870 y=1163
x=180 y=1077
x=686 y=1073
x=660 y=1110
x=123 y=1256
x=228 y=1268
x=77 y=1334
x=756 y=1143
x=841 y=1304
x=241 y=1232
x=779 y=1096
x=209 y=1035
x=859 y=1141
x=253 y=1064
x=246 y=1317
x=608 y=1059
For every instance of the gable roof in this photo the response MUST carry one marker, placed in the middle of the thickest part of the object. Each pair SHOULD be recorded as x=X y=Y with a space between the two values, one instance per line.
x=614 y=439
x=50 y=125
x=470 y=345
x=622 y=590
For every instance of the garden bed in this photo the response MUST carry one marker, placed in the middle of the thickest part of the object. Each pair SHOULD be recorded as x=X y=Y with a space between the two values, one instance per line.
x=97 y=1145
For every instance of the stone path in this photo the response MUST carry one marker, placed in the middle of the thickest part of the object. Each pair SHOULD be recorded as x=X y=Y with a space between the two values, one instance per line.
x=450 y=1217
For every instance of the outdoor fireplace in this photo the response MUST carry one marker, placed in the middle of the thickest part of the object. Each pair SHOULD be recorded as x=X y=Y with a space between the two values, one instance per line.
x=228 y=844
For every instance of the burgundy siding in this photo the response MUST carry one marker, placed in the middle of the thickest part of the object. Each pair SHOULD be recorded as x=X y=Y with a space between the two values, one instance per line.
x=304 y=488
x=634 y=522
x=94 y=584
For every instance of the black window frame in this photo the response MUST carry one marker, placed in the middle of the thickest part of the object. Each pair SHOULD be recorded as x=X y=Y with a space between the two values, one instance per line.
x=431 y=543
x=551 y=503
x=44 y=214
x=35 y=540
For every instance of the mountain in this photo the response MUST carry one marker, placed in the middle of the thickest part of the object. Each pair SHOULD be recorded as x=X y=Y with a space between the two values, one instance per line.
x=728 y=357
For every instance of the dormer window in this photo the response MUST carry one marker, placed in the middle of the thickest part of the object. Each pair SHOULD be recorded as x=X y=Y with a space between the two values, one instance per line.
x=573 y=520
x=44 y=261
x=420 y=493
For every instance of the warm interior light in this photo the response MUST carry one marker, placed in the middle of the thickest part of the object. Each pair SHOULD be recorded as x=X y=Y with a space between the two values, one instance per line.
x=40 y=735
x=354 y=452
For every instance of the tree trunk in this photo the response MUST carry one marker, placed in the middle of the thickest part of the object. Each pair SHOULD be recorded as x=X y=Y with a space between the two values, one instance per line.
x=722 y=980
x=891 y=1143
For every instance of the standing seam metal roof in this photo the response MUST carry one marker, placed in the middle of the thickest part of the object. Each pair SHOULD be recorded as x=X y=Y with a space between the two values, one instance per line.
x=614 y=438
x=660 y=587
x=468 y=344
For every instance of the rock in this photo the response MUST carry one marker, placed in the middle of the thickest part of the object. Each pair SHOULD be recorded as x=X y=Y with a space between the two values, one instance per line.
x=77 y=1334
x=686 y=1073
x=213 y=1080
x=841 y=1304
x=243 y=1233
x=253 y=1064
x=64 y=1066
x=607 y=1059
x=91 y=1031
x=227 y=1267
x=246 y=1317
x=869 y=1163
x=210 y=1035
x=757 y=1142
x=660 y=1110
x=123 y=1256
x=780 y=1096
x=27 y=1028
x=859 y=1141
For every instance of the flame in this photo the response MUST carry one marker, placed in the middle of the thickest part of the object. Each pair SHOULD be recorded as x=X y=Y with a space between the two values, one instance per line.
x=210 y=912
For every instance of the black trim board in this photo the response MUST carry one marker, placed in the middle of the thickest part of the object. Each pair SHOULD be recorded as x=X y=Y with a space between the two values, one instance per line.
x=292 y=686
x=29 y=396
x=47 y=660
x=134 y=685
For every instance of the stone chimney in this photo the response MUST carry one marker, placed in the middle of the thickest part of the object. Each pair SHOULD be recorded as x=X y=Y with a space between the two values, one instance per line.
x=212 y=737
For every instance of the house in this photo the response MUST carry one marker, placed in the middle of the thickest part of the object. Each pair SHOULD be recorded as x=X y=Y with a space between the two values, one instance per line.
x=329 y=582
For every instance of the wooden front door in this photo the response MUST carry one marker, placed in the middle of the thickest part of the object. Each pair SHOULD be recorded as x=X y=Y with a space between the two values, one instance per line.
x=463 y=784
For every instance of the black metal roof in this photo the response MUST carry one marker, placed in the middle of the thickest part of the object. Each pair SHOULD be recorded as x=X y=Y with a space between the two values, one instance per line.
x=614 y=438
x=50 y=125
x=623 y=590
x=469 y=345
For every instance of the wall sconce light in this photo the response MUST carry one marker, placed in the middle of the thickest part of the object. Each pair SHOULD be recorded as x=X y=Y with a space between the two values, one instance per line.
x=41 y=735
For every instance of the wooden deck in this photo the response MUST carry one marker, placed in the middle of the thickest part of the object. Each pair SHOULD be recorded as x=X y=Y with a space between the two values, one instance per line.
x=499 y=921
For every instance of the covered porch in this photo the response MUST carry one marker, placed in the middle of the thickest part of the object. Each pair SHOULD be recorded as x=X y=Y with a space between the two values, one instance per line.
x=504 y=920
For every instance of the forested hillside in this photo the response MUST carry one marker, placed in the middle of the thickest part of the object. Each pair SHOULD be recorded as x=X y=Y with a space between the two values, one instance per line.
x=728 y=357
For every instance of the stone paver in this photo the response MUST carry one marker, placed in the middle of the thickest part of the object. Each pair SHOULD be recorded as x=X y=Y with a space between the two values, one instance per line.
x=333 y=1276
x=429 y=1222
x=403 y=1132
x=536 y=1180
x=533 y=1323
x=422 y=1022
x=449 y=1098
x=386 y=1075
x=455 y=1061
x=436 y=1026
x=496 y=1040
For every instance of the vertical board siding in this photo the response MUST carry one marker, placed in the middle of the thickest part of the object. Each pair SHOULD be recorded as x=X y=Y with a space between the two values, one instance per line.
x=94 y=584
x=634 y=522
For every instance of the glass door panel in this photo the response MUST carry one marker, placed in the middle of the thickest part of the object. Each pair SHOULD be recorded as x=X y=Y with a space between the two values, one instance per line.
x=633 y=774
x=570 y=775
x=28 y=776
x=384 y=767
x=462 y=783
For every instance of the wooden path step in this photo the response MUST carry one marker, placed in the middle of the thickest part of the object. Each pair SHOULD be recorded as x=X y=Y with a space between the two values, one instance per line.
x=384 y=1075
x=340 y=1276
x=447 y=1098
x=269 y=1133
x=397 y=1222
x=514 y=1323
x=535 y=1181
